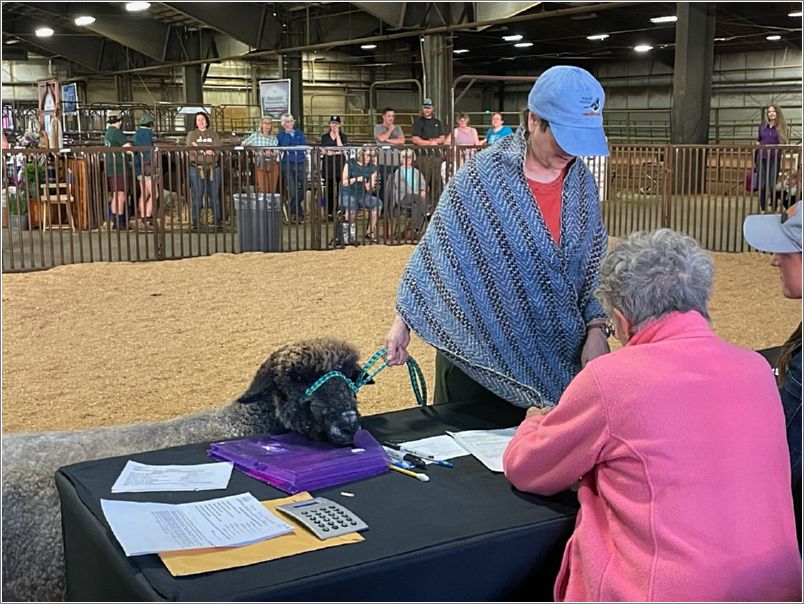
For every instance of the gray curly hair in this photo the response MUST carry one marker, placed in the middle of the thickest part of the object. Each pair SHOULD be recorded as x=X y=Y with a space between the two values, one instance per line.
x=649 y=275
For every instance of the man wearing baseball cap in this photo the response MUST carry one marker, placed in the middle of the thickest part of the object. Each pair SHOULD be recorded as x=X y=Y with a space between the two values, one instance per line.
x=518 y=239
x=116 y=169
x=780 y=234
x=428 y=131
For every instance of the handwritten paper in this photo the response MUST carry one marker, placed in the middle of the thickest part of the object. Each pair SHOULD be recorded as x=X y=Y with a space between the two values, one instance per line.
x=487 y=446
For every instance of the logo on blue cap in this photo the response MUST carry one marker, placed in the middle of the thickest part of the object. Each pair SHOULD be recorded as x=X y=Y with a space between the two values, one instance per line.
x=571 y=100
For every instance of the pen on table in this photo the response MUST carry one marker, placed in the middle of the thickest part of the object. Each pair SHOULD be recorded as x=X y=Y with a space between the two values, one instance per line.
x=438 y=462
x=401 y=463
x=417 y=475
x=413 y=460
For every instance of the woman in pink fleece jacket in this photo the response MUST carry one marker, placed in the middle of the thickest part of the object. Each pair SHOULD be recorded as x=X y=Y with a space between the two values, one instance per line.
x=679 y=441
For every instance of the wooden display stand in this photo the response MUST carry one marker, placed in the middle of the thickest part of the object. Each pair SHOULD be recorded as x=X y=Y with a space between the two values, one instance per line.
x=79 y=190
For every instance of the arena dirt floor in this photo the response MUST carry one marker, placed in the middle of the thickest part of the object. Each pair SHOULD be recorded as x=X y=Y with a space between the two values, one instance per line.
x=100 y=344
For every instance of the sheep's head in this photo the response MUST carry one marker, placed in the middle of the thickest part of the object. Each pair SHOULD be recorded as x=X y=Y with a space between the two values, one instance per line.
x=330 y=413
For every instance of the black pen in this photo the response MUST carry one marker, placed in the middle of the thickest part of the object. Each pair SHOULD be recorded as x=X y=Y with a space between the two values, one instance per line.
x=414 y=460
x=421 y=456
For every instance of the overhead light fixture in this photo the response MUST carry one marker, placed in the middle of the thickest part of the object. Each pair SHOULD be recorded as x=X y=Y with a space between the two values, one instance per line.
x=460 y=51
x=44 y=32
x=12 y=41
x=667 y=19
x=597 y=37
x=773 y=37
x=135 y=7
x=513 y=38
x=85 y=20
x=368 y=46
x=524 y=44
x=720 y=39
x=795 y=14
x=643 y=47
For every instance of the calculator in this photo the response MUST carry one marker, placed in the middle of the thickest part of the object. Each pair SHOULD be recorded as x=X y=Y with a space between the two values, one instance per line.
x=324 y=518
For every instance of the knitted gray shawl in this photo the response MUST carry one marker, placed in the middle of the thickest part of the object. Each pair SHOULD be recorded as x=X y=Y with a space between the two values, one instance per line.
x=489 y=288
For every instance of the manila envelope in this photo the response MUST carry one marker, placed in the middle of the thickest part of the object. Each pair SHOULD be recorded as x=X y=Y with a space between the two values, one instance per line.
x=193 y=562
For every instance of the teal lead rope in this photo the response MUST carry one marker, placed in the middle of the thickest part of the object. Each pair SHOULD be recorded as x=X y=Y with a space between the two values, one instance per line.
x=366 y=375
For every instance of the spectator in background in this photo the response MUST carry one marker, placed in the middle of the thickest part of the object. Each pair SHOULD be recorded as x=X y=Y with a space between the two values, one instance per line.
x=294 y=172
x=116 y=170
x=144 y=137
x=498 y=129
x=780 y=234
x=428 y=131
x=464 y=136
x=773 y=131
x=408 y=190
x=205 y=174
x=678 y=438
x=333 y=161
x=463 y=133
x=387 y=134
x=359 y=191
x=266 y=168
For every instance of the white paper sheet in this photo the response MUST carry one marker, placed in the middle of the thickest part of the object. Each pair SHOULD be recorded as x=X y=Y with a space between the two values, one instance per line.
x=440 y=447
x=487 y=446
x=148 y=528
x=142 y=478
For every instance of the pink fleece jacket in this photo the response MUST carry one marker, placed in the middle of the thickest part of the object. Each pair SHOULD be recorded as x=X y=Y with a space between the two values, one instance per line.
x=679 y=441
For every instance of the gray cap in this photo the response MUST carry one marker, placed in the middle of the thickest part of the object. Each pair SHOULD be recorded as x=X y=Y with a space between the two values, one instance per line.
x=779 y=233
x=427 y=103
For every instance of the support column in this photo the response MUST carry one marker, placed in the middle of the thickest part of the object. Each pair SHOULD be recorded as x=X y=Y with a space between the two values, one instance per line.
x=437 y=60
x=692 y=92
x=292 y=68
x=692 y=73
x=125 y=92
x=193 y=91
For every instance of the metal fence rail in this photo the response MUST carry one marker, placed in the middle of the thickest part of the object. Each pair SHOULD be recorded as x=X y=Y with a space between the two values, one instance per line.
x=87 y=204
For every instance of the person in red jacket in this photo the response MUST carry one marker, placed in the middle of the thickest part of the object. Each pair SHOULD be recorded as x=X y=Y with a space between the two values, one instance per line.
x=679 y=440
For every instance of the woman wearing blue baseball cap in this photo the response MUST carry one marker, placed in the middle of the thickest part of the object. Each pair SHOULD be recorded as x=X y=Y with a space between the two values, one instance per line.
x=780 y=234
x=501 y=283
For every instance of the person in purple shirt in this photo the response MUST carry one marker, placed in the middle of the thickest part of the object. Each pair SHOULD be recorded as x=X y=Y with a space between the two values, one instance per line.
x=773 y=131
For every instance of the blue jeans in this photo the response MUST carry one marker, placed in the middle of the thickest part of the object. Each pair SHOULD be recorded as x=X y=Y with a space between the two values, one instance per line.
x=350 y=203
x=200 y=186
x=295 y=179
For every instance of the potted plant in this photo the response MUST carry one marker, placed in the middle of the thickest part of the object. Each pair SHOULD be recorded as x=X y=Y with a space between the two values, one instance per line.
x=17 y=208
x=35 y=176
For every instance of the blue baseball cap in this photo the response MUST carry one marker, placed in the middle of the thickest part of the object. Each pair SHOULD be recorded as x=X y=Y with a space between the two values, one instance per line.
x=571 y=99
x=775 y=233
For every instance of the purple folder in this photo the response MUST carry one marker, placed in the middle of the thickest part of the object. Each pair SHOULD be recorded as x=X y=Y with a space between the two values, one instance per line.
x=293 y=463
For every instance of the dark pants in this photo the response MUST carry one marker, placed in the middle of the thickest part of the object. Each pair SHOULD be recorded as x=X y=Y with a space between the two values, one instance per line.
x=333 y=188
x=295 y=177
x=430 y=167
x=766 y=179
x=453 y=386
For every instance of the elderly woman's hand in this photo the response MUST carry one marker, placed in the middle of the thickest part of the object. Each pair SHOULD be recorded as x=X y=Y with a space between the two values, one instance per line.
x=596 y=344
x=538 y=410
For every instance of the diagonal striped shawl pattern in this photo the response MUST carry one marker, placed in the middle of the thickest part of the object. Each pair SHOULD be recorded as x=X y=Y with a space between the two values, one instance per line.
x=490 y=289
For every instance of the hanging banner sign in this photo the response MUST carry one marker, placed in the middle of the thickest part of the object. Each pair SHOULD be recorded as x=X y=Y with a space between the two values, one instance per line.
x=274 y=97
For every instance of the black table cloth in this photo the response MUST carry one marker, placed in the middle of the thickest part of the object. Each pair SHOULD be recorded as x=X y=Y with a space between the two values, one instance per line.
x=465 y=535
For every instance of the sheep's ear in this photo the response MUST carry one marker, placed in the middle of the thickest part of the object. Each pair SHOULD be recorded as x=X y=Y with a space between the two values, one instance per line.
x=260 y=390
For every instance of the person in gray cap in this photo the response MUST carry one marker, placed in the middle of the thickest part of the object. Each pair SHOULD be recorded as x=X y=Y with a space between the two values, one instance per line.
x=502 y=282
x=780 y=234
